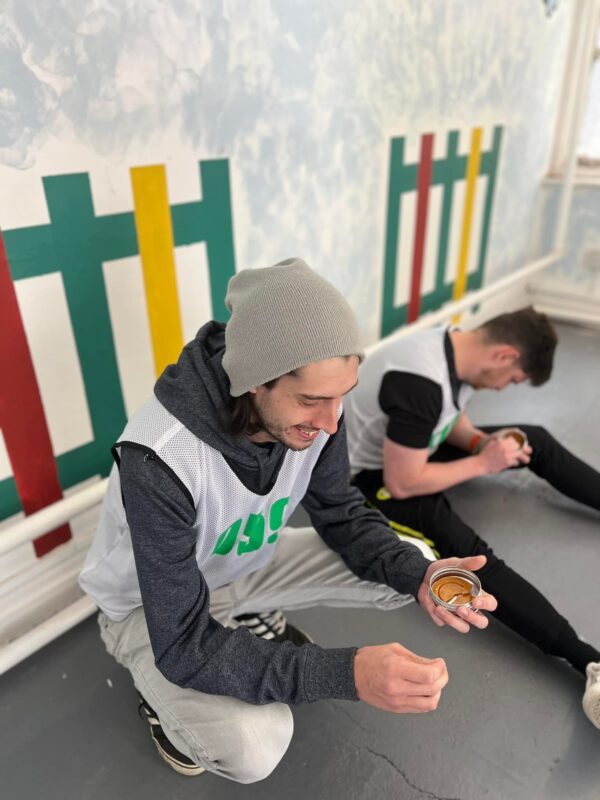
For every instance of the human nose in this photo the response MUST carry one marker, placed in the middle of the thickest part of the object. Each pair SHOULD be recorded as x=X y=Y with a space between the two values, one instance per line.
x=327 y=419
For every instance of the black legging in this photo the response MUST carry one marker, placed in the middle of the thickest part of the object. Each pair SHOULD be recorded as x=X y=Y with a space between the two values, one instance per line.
x=520 y=606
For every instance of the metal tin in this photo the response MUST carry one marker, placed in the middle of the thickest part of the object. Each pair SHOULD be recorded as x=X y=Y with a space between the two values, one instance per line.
x=517 y=434
x=456 y=572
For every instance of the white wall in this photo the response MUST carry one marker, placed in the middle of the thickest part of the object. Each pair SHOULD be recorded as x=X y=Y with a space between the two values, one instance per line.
x=302 y=98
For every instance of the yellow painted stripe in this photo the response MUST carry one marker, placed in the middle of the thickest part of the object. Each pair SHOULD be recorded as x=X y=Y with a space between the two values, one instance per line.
x=471 y=177
x=155 y=240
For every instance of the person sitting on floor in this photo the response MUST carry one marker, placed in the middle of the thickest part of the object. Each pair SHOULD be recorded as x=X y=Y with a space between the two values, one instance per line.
x=410 y=439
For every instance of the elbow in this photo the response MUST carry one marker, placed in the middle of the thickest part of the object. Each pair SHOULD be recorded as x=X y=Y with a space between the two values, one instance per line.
x=170 y=669
x=398 y=490
x=401 y=494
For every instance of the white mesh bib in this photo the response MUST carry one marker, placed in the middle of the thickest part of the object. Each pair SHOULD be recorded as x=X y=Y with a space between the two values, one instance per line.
x=236 y=530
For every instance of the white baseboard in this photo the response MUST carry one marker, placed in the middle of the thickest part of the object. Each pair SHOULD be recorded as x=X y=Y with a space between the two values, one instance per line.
x=41 y=589
x=516 y=297
x=567 y=304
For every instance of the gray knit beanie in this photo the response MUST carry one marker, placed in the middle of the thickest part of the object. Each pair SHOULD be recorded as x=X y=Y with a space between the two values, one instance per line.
x=283 y=317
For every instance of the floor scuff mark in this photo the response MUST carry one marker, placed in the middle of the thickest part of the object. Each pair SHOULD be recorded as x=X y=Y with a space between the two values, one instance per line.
x=402 y=774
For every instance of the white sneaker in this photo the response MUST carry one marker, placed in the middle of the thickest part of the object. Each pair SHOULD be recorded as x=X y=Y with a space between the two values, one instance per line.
x=591 y=696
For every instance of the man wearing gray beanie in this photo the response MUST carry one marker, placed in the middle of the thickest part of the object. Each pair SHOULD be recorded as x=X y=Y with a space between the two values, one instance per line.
x=193 y=553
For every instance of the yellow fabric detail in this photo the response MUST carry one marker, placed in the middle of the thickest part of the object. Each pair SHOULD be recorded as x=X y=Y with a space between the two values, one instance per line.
x=383 y=494
x=415 y=534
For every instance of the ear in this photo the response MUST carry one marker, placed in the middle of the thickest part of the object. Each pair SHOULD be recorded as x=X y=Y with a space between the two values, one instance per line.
x=253 y=391
x=504 y=355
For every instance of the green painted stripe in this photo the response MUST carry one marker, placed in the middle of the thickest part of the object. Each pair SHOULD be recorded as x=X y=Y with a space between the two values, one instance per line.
x=217 y=208
x=210 y=221
x=492 y=160
x=31 y=251
x=403 y=178
x=391 y=235
x=71 y=212
x=10 y=502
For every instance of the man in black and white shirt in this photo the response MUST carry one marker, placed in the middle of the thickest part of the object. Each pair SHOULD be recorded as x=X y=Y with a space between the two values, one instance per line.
x=410 y=439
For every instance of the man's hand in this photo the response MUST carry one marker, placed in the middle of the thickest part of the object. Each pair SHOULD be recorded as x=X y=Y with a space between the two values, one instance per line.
x=464 y=617
x=392 y=678
x=497 y=454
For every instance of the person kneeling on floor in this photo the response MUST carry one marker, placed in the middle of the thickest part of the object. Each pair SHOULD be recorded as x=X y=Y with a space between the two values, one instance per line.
x=192 y=557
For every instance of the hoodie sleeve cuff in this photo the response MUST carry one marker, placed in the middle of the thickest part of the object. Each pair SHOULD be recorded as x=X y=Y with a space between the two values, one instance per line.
x=330 y=674
x=413 y=572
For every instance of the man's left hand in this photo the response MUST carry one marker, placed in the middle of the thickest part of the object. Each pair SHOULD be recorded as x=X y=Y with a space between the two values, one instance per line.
x=464 y=617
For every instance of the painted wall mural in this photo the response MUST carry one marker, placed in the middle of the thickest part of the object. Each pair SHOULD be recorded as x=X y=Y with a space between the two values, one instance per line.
x=438 y=223
x=438 y=214
x=76 y=252
x=147 y=151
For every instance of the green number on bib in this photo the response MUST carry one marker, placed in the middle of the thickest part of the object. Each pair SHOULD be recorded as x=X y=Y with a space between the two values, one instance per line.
x=255 y=531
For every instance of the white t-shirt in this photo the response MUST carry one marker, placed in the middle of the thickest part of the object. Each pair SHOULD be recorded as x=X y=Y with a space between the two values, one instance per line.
x=408 y=390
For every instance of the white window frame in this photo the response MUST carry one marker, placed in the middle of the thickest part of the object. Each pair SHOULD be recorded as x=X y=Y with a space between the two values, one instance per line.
x=581 y=54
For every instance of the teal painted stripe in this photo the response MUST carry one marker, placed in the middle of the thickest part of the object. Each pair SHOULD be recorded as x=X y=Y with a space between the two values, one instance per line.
x=476 y=280
x=10 y=502
x=391 y=235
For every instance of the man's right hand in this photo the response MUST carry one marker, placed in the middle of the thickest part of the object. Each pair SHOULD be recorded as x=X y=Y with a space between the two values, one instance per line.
x=393 y=678
x=500 y=454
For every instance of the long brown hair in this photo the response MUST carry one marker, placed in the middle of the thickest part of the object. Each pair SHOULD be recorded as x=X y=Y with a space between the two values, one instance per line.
x=239 y=417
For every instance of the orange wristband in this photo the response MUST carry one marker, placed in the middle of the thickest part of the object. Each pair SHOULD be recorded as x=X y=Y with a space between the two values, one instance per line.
x=474 y=442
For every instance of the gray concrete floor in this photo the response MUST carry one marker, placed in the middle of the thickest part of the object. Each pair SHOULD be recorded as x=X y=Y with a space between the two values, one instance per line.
x=509 y=727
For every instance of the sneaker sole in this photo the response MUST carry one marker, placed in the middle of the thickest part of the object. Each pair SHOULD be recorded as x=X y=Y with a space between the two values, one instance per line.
x=182 y=769
x=592 y=711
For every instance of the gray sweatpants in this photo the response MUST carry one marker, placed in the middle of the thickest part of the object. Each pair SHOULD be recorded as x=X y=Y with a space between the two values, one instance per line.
x=226 y=736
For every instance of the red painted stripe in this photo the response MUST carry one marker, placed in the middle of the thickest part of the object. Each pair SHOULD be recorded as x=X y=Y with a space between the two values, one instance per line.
x=22 y=418
x=423 y=184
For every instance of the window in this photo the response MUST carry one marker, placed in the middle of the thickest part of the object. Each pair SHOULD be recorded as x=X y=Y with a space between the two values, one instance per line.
x=579 y=109
x=588 y=149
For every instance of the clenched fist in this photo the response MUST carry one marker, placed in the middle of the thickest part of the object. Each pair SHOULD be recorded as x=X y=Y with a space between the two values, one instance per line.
x=393 y=678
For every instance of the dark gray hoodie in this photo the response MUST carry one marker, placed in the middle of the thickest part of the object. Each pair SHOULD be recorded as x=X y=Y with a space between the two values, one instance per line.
x=191 y=648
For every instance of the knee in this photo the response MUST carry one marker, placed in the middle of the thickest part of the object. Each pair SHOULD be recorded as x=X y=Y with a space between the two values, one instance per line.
x=257 y=741
x=263 y=741
x=476 y=546
x=424 y=547
x=492 y=566
x=536 y=434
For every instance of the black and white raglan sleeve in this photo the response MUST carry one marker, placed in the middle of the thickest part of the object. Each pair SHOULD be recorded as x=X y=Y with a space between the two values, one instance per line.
x=413 y=405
